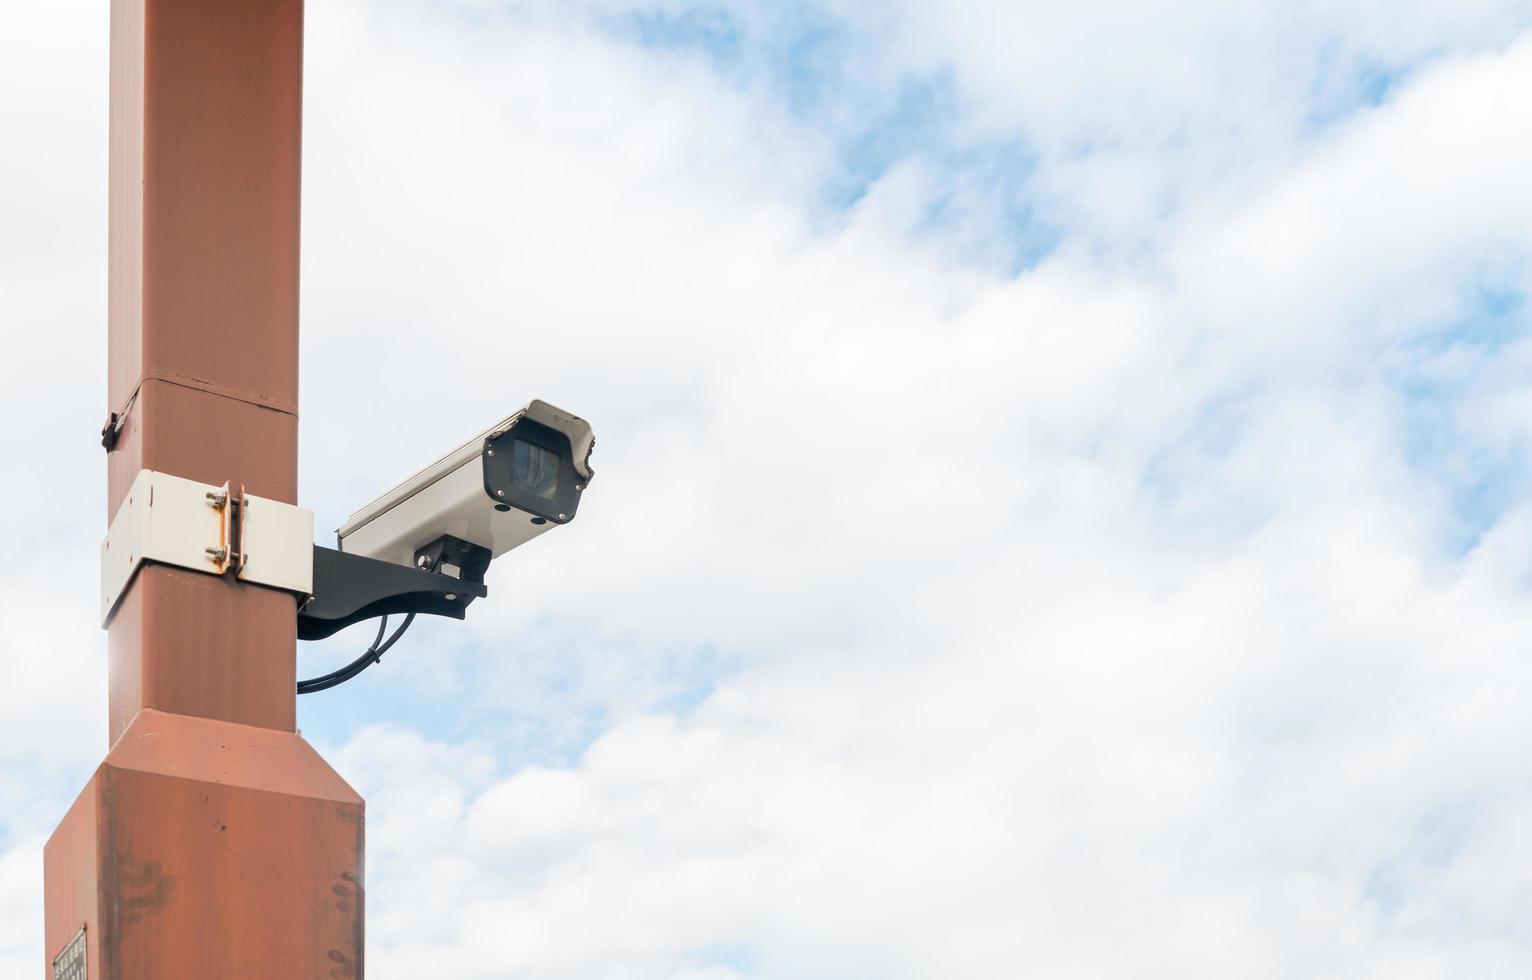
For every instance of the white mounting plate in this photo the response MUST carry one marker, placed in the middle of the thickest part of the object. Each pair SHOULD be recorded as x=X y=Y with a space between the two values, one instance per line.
x=276 y=544
x=166 y=519
x=175 y=521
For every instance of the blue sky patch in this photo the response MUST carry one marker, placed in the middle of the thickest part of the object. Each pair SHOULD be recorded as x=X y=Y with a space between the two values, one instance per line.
x=546 y=692
x=1436 y=841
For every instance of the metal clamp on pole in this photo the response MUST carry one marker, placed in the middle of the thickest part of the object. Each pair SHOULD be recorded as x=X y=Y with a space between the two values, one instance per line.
x=198 y=526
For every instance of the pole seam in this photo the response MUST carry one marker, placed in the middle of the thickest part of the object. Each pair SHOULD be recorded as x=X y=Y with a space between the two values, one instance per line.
x=222 y=391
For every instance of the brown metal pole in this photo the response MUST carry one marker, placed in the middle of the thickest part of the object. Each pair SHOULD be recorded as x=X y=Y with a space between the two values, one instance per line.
x=212 y=841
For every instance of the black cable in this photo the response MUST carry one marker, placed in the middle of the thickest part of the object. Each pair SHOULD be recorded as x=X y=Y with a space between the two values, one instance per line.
x=373 y=655
x=349 y=671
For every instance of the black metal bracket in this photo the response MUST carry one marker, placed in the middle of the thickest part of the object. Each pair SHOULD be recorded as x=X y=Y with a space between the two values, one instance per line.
x=114 y=423
x=110 y=431
x=468 y=560
x=350 y=588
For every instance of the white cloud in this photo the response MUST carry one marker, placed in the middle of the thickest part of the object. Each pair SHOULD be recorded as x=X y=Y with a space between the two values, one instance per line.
x=1088 y=623
x=21 y=907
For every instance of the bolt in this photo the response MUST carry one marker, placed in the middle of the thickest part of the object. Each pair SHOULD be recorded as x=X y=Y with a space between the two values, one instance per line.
x=217 y=498
x=490 y=452
x=561 y=517
x=499 y=493
x=217 y=554
x=424 y=561
x=451 y=596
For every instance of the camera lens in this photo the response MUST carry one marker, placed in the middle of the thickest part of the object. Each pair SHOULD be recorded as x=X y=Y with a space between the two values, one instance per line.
x=534 y=468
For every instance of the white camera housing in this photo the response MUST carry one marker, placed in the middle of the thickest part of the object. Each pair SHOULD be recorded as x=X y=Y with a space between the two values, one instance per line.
x=498 y=490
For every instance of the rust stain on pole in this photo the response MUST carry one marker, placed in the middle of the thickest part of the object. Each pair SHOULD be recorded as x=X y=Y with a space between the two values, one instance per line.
x=206 y=849
x=212 y=841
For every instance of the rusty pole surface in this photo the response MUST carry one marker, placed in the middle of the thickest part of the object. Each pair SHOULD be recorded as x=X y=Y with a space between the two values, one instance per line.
x=212 y=841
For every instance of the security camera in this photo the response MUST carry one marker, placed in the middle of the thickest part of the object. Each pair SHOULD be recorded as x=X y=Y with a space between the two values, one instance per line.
x=420 y=549
x=497 y=491
x=424 y=546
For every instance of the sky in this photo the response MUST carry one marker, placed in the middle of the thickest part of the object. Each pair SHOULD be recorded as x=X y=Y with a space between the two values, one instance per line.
x=1062 y=502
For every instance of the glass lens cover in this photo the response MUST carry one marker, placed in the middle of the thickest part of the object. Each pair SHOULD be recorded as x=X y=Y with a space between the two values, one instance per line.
x=535 y=468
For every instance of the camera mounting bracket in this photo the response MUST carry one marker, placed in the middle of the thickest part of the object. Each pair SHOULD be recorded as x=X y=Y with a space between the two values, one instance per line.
x=350 y=588
x=466 y=560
